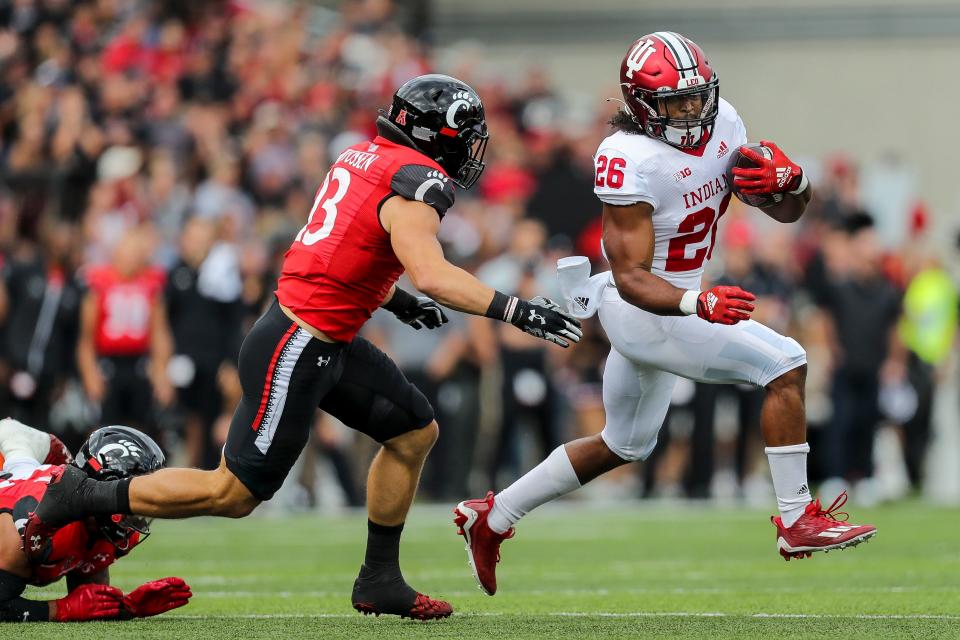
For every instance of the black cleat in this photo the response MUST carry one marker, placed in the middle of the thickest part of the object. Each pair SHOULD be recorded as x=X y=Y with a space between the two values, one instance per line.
x=388 y=593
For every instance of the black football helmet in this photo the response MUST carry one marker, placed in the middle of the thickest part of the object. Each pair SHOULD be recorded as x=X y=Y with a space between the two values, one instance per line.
x=441 y=117
x=114 y=453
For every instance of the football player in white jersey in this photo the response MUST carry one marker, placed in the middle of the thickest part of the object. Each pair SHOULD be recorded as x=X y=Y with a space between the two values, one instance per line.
x=662 y=179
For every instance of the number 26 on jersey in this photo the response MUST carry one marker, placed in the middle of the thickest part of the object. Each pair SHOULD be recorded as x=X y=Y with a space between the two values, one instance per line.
x=610 y=172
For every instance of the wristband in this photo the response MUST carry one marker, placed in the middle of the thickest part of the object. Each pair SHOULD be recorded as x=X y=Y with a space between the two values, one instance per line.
x=502 y=307
x=804 y=183
x=401 y=301
x=688 y=303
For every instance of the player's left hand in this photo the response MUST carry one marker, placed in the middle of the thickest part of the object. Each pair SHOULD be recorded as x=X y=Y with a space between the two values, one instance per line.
x=543 y=318
x=725 y=305
x=156 y=597
x=426 y=313
x=778 y=174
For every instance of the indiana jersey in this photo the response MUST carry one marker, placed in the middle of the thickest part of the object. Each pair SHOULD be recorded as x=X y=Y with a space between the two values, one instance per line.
x=341 y=265
x=124 y=310
x=688 y=191
x=75 y=548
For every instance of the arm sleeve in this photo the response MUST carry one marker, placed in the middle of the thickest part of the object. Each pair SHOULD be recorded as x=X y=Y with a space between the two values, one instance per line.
x=13 y=608
x=621 y=181
x=425 y=184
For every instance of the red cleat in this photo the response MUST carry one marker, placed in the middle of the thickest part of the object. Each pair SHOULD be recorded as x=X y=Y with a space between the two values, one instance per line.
x=483 y=543
x=424 y=608
x=820 y=529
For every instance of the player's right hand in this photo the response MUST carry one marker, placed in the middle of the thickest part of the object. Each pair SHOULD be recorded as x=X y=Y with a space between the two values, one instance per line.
x=89 y=602
x=543 y=318
x=725 y=305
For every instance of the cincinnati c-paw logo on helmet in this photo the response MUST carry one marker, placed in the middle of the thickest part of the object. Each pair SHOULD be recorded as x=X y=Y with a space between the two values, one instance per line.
x=461 y=99
x=126 y=448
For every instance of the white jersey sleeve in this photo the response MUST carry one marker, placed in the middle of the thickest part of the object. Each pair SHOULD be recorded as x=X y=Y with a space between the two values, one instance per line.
x=618 y=178
x=740 y=131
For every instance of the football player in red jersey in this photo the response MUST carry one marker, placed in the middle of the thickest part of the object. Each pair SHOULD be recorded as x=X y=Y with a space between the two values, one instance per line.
x=662 y=179
x=81 y=551
x=125 y=343
x=376 y=214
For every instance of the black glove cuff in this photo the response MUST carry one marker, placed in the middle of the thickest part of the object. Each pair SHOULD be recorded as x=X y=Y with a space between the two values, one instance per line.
x=401 y=301
x=504 y=308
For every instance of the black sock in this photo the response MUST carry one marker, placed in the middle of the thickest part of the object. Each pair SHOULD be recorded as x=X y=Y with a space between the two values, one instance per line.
x=380 y=582
x=383 y=547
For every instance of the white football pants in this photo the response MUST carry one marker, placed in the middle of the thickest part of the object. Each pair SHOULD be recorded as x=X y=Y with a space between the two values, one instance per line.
x=649 y=352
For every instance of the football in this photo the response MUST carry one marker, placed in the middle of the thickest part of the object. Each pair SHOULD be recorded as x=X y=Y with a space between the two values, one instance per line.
x=744 y=162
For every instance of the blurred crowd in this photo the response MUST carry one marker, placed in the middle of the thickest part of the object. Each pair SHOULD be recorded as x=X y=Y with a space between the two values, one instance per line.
x=158 y=158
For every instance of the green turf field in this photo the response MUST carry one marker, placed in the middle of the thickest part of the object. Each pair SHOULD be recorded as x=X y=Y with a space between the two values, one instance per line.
x=572 y=572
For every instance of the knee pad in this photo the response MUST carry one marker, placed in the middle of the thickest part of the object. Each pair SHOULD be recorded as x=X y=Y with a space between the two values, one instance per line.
x=792 y=355
x=633 y=450
x=389 y=419
x=793 y=352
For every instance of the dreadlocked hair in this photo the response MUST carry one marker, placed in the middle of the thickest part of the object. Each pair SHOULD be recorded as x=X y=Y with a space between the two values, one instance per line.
x=623 y=121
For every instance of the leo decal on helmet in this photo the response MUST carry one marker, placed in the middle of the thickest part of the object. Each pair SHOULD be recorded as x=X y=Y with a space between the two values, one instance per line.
x=661 y=69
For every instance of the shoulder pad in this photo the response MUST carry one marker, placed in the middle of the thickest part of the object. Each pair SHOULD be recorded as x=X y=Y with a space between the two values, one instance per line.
x=424 y=183
x=619 y=178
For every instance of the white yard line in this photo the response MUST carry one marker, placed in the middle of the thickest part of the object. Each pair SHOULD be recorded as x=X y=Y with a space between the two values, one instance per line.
x=586 y=614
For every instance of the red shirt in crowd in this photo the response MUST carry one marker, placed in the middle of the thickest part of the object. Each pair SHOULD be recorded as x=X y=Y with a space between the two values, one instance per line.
x=124 y=308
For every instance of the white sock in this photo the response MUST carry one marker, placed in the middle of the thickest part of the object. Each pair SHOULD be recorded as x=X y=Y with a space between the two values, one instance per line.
x=547 y=481
x=788 y=466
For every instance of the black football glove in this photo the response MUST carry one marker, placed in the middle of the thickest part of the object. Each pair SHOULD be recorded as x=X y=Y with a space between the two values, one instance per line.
x=543 y=318
x=416 y=311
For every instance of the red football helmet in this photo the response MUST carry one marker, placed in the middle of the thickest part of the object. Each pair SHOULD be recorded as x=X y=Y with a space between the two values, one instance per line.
x=670 y=89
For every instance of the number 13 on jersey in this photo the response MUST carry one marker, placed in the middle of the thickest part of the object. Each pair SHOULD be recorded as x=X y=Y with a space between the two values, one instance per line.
x=327 y=202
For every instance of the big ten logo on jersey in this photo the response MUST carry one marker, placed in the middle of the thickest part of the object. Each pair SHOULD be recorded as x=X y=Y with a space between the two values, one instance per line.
x=126 y=313
x=683 y=173
x=610 y=172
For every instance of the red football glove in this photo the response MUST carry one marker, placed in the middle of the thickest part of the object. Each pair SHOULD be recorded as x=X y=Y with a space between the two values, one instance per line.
x=725 y=305
x=59 y=454
x=89 y=602
x=159 y=596
x=777 y=175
